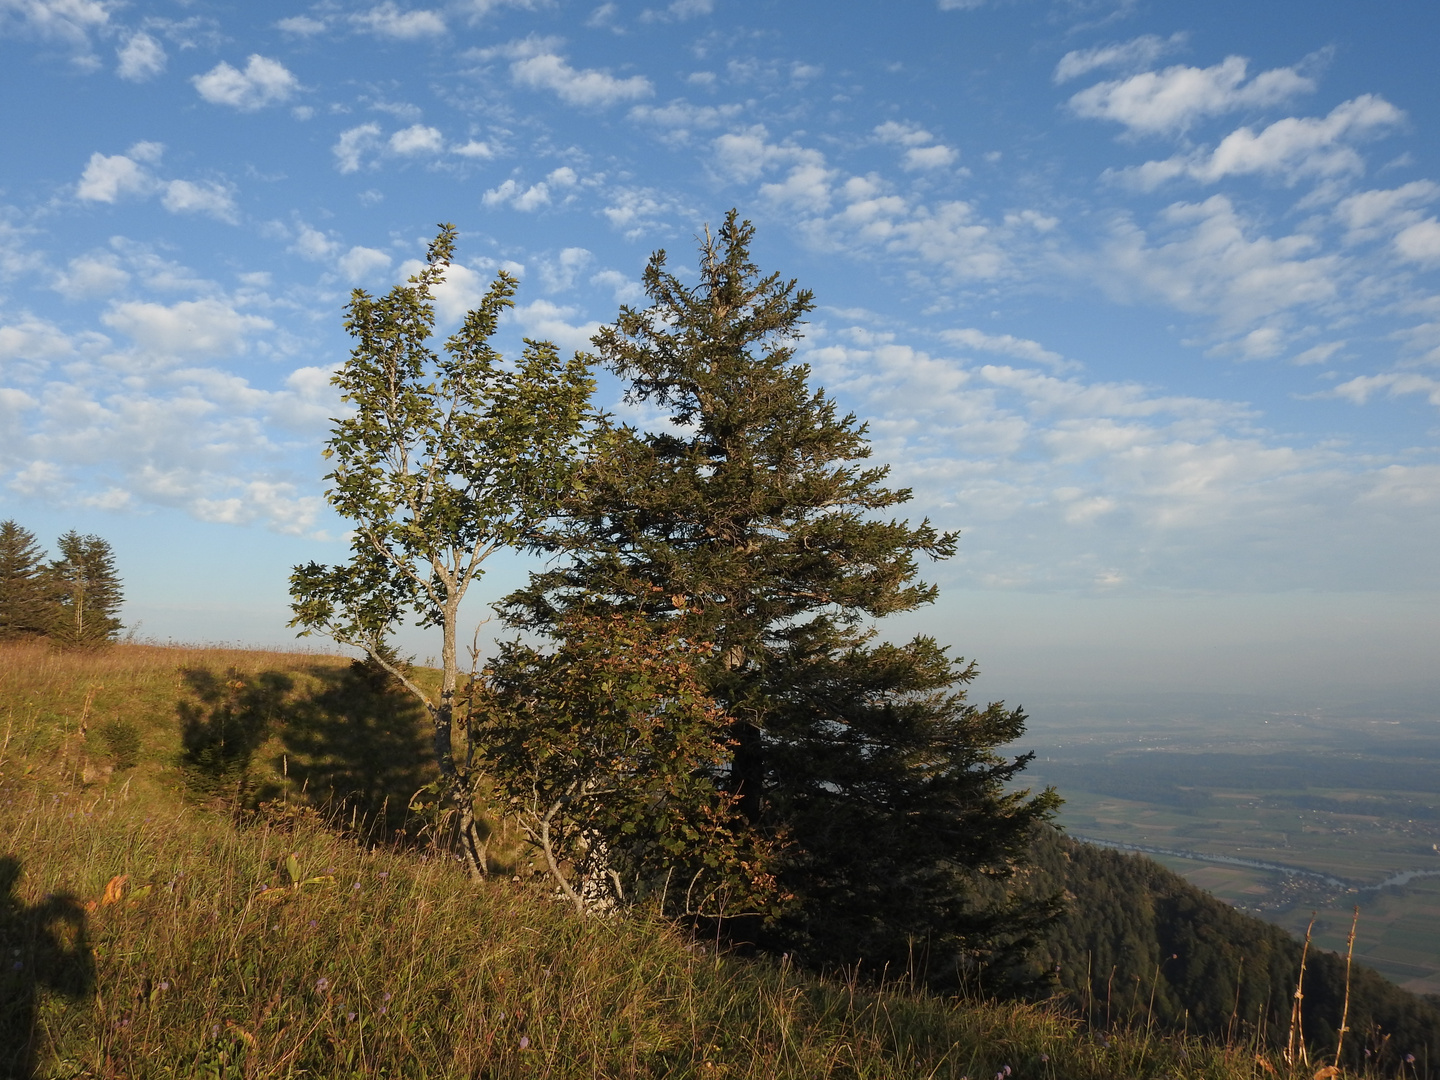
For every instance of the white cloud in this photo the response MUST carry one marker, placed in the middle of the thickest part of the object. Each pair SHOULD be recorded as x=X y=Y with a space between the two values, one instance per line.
x=1420 y=242
x=474 y=149
x=263 y=82
x=560 y=273
x=1157 y=102
x=362 y=263
x=352 y=145
x=417 y=139
x=929 y=157
x=1293 y=148
x=1367 y=214
x=70 y=22
x=746 y=155
x=302 y=26
x=1394 y=384
x=679 y=11
x=518 y=196
x=108 y=179
x=211 y=199
x=141 y=57
x=1210 y=262
x=190 y=328
x=589 y=88
x=311 y=243
x=387 y=20
x=460 y=292
x=636 y=210
x=34 y=340
x=679 y=118
x=87 y=276
x=545 y=321
x=892 y=131
x=1137 y=53
x=1005 y=345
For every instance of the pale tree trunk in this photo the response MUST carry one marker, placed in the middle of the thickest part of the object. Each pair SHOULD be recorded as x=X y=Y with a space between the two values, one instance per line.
x=472 y=847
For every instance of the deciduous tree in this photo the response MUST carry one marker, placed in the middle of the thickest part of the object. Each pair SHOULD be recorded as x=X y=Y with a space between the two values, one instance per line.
x=607 y=750
x=448 y=457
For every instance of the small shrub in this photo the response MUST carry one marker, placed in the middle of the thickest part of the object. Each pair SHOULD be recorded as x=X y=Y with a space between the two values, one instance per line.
x=122 y=740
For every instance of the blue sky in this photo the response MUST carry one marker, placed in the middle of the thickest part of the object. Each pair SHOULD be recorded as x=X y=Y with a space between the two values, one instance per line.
x=1143 y=297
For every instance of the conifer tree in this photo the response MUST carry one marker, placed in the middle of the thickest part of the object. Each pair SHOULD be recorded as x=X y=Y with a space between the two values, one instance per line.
x=86 y=590
x=25 y=609
x=754 y=523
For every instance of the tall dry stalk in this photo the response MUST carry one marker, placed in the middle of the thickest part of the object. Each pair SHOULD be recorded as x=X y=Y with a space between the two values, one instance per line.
x=1345 y=1010
x=1296 y=1038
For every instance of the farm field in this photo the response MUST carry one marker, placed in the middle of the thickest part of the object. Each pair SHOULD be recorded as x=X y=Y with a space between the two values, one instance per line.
x=1279 y=811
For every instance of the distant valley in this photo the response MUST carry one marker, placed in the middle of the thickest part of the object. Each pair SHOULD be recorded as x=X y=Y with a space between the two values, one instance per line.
x=1279 y=810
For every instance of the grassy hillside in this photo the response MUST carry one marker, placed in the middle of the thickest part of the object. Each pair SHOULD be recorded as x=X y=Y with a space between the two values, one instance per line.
x=153 y=926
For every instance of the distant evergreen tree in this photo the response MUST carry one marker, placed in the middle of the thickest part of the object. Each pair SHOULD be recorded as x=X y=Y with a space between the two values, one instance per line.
x=25 y=607
x=751 y=524
x=1138 y=944
x=86 y=591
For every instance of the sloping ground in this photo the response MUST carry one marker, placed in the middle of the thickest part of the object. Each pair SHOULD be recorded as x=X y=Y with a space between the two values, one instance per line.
x=150 y=929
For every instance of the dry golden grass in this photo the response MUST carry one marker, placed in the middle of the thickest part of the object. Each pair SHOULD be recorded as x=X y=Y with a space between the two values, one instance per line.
x=258 y=946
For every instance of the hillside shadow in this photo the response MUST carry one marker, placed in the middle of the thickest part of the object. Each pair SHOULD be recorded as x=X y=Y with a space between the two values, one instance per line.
x=222 y=730
x=357 y=747
x=354 y=744
x=43 y=947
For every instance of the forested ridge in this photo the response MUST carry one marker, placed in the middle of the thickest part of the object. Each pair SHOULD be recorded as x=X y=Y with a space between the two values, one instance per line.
x=1137 y=943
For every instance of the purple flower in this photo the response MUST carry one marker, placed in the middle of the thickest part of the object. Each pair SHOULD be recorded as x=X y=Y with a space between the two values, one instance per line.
x=165 y=985
x=322 y=984
x=350 y=1016
x=384 y=873
x=385 y=996
x=524 y=1042
x=355 y=886
x=1409 y=1059
x=312 y=924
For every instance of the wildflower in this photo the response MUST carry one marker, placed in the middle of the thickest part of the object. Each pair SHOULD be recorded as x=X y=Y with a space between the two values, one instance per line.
x=384 y=873
x=1409 y=1059
x=322 y=984
x=384 y=1009
x=17 y=966
x=355 y=886
x=1044 y=1058
x=386 y=996
x=165 y=984
x=214 y=1030
x=350 y=1016
x=524 y=1042
x=1005 y=1071
x=312 y=924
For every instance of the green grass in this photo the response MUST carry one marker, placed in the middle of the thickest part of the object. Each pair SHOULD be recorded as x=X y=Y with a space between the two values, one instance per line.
x=159 y=930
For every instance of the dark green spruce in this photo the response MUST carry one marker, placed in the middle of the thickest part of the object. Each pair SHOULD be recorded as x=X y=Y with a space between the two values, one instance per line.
x=753 y=520
x=86 y=591
x=25 y=606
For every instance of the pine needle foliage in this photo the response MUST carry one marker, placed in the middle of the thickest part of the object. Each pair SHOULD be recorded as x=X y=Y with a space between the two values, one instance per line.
x=25 y=608
x=86 y=591
x=752 y=520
